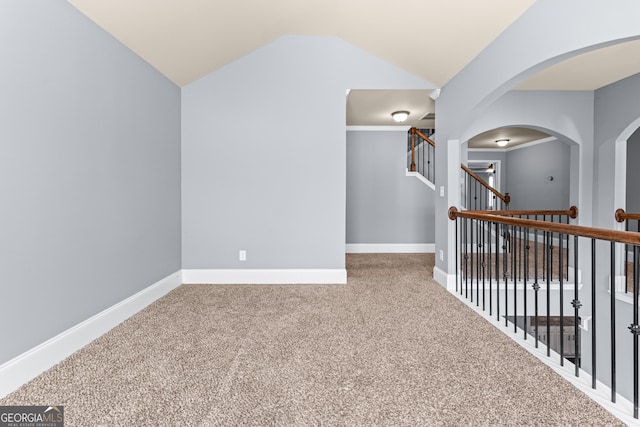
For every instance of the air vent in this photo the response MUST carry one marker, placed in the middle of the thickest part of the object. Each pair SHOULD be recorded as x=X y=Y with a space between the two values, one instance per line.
x=428 y=116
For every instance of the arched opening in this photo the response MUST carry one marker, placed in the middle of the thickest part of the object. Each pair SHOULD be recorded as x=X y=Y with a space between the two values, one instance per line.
x=538 y=167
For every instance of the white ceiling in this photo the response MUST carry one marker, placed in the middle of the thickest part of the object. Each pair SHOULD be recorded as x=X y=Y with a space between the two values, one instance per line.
x=432 y=39
x=515 y=135
x=374 y=107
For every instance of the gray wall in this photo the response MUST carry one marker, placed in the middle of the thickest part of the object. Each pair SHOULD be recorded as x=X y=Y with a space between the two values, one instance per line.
x=264 y=156
x=527 y=176
x=633 y=173
x=89 y=172
x=520 y=56
x=383 y=204
x=617 y=117
x=567 y=115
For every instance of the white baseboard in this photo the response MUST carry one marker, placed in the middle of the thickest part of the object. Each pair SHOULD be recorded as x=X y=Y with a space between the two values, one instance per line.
x=390 y=248
x=32 y=363
x=265 y=276
x=444 y=279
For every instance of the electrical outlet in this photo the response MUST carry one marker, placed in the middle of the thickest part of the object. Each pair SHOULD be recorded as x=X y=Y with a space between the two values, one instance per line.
x=242 y=255
x=442 y=191
x=441 y=255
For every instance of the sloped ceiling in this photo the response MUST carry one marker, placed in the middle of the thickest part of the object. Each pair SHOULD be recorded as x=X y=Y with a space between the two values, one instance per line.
x=187 y=39
x=432 y=39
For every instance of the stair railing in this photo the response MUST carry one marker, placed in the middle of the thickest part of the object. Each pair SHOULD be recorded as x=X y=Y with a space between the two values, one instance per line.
x=504 y=295
x=627 y=218
x=479 y=195
x=422 y=150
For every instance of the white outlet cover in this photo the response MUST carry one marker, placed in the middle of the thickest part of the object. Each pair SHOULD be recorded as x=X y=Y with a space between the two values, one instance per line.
x=242 y=255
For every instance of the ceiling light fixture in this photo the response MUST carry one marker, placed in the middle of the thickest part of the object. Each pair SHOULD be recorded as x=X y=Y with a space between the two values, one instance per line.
x=400 y=116
x=502 y=142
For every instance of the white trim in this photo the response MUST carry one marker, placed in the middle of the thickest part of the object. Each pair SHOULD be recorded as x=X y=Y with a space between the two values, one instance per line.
x=390 y=248
x=623 y=408
x=264 y=276
x=444 y=279
x=32 y=363
x=421 y=178
x=515 y=147
x=403 y=128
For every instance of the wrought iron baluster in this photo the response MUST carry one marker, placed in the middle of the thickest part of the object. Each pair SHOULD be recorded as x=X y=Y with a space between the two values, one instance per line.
x=526 y=277
x=635 y=330
x=514 y=270
x=457 y=251
x=490 y=268
x=594 y=365
x=473 y=259
x=466 y=257
x=613 y=321
x=536 y=285
x=506 y=282
x=560 y=271
x=484 y=263
x=576 y=307
x=548 y=308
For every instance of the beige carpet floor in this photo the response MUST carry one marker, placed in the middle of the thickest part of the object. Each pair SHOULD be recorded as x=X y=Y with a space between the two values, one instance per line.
x=391 y=348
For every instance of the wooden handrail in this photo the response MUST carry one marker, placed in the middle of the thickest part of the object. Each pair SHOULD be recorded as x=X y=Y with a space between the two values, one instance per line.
x=572 y=212
x=627 y=237
x=622 y=216
x=505 y=198
x=423 y=136
x=415 y=132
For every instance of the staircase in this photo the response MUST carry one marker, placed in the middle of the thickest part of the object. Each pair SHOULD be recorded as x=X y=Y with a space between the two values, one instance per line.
x=477 y=194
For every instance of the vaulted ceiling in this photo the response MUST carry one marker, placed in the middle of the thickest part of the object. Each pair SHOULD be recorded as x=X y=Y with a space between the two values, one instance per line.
x=187 y=39
x=432 y=39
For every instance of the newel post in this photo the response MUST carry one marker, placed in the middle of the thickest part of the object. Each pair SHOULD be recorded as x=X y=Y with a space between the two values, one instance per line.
x=413 y=149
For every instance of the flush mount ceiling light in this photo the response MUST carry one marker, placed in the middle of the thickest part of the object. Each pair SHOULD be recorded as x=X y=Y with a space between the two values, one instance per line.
x=400 y=116
x=502 y=142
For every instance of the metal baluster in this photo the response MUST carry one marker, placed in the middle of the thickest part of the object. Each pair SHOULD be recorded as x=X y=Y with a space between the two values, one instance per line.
x=490 y=267
x=475 y=194
x=593 y=314
x=613 y=322
x=468 y=178
x=520 y=243
x=560 y=272
x=514 y=269
x=466 y=257
x=429 y=161
x=498 y=271
x=626 y=259
x=478 y=265
x=473 y=260
x=536 y=285
x=576 y=306
x=457 y=250
x=567 y=246
x=635 y=330
x=526 y=277
x=544 y=256
x=551 y=247
x=506 y=274
x=484 y=263
x=548 y=295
